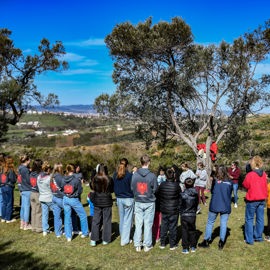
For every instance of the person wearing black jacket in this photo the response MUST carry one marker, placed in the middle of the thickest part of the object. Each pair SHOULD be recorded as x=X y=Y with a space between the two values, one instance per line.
x=102 y=186
x=168 y=195
x=188 y=206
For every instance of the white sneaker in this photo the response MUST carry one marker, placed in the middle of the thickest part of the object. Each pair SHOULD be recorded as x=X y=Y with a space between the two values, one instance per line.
x=10 y=221
x=138 y=249
x=69 y=239
x=76 y=232
x=3 y=220
x=235 y=205
x=146 y=249
x=84 y=236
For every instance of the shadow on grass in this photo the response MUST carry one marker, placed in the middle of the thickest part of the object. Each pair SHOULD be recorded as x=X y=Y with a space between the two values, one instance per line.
x=22 y=260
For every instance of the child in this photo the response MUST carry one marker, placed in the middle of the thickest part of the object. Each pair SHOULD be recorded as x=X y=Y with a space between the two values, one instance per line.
x=168 y=195
x=188 y=207
x=267 y=232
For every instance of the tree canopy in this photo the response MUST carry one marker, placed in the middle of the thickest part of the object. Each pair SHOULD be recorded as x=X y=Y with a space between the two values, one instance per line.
x=17 y=74
x=199 y=92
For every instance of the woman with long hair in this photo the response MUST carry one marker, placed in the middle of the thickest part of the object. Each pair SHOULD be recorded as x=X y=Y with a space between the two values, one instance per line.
x=125 y=201
x=45 y=195
x=36 y=212
x=220 y=203
x=25 y=189
x=102 y=199
x=8 y=180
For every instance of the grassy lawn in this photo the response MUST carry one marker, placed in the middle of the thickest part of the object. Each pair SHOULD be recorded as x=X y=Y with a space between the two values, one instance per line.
x=26 y=250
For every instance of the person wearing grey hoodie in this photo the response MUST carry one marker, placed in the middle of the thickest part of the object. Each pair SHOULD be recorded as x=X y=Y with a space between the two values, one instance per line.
x=45 y=195
x=144 y=185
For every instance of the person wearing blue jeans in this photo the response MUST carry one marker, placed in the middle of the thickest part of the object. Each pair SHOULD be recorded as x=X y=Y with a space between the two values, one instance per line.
x=45 y=195
x=234 y=173
x=220 y=203
x=76 y=205
x=25 y=209
x=255 y=183
x=25 y=189
x=72 y=189
x=46 y=207
x=254 y=233
x=144 y=185
x=125 y=200
x=126 y=211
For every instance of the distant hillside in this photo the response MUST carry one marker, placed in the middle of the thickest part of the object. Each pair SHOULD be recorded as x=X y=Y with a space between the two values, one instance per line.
x=85 y=109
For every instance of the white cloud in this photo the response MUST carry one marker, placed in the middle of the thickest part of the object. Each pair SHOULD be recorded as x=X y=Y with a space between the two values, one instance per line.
x=87 y=43
x=73 y=57
x=78 y=71
x=88 y=63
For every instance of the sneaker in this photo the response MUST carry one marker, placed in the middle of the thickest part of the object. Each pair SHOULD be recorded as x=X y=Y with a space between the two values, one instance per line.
x=76 y=232
x=93 y=243
x=69 y=239
x=44 y=233
x=104 y=243
x=3 y=220
x=185 y=251
x=198 y=210
x=27 y=227
x=146 y=249
x=10 y=221
x=84 y=236
x=267 y=238
x=138 y=249
x=161 y=247
x=193 y=249
x=174 y=248
x=204 y=244
x=235 y=205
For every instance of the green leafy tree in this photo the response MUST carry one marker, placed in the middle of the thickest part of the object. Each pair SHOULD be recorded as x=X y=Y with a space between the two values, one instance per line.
x=199 y=90
x=101 y=104
x=17 y=74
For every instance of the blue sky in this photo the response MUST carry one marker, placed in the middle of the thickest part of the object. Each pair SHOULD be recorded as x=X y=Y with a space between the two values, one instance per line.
x=82 y=26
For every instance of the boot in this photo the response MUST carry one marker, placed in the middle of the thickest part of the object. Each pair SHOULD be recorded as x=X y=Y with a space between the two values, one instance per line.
x=221 y=244
x=204 y=244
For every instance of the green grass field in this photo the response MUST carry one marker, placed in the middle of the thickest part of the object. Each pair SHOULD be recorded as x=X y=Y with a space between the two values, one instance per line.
x=26 y=250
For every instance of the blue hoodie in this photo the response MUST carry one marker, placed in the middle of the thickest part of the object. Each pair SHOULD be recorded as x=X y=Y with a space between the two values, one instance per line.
x=71 y=186
x=221 y=197
x=56 y=185
x=25 y=176
x=144 y=185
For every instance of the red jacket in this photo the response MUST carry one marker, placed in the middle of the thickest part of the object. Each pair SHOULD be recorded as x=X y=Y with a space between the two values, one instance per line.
x=256 y=185
x=235 y=174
